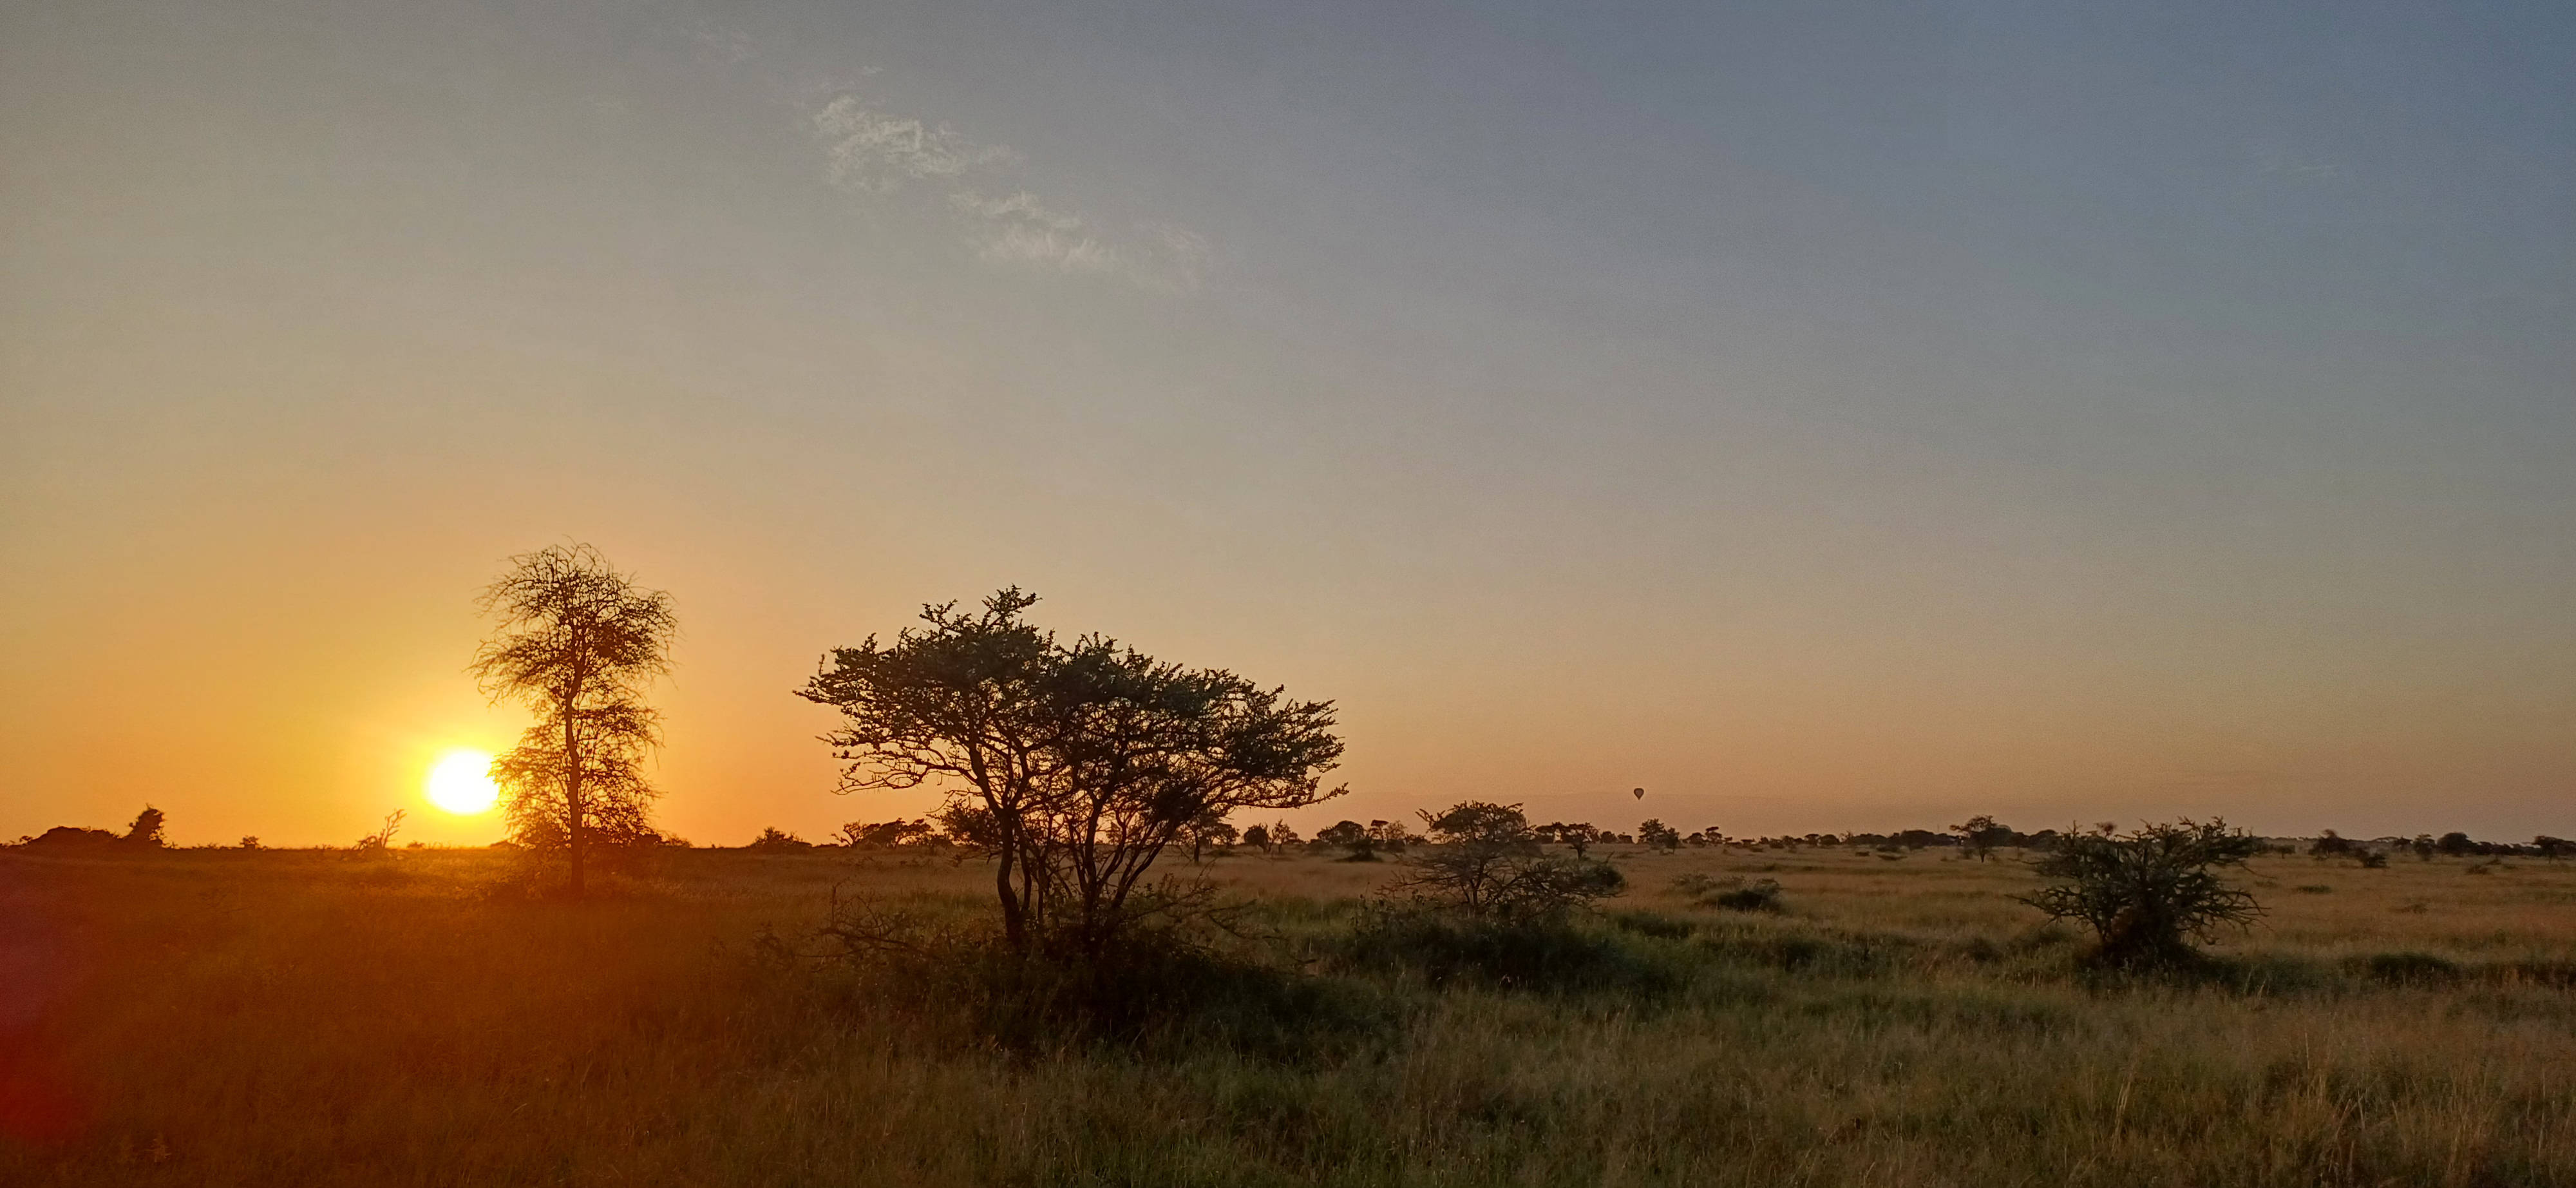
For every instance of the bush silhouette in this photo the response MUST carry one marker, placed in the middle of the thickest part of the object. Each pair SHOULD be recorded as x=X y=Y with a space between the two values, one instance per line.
x=1486 y=862
x=2147 y=894
x=1762 y=895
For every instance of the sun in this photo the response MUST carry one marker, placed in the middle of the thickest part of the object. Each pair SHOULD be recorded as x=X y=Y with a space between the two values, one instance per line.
x=461 y=783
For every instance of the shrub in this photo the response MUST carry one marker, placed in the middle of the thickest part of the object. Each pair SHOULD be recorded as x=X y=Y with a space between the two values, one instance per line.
x=2147 y=894
x=2407 y=969
x=146 y=829
x=773 y=839
x=1157 y=989
x=1762 y=896
x=1550 y=956
x=383 y=837
x=1654 y=924
x=72 y=835
x=1487 y=862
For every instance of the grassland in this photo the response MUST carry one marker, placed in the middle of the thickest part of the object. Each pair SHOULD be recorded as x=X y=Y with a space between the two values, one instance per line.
x=226 y=1017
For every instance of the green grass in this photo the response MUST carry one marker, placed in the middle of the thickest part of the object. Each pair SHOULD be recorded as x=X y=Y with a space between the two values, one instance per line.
x=301 y=1018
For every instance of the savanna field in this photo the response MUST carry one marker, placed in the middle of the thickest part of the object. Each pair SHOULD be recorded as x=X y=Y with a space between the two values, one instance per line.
x=417 y=1017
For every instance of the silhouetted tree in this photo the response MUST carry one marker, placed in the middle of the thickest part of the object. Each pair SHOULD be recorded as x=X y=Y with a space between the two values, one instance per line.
x=1979 y=835
x=2143 y=893
x=1207 y=830
x=1351 y=836
x=1659 y=835
x=146 y=829
x=1390 y=836
x=577 y=643
x=882 y=834
x=1576 y=836
x=2455 y=844
x=1258 y=837
x=383 y=837
x=1073 y=765
x=1485 y=860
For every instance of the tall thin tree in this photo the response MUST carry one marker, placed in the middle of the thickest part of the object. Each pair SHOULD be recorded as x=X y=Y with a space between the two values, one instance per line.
x=577 y=642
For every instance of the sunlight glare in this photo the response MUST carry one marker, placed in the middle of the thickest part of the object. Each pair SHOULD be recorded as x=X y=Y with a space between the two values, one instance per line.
x=461 y=782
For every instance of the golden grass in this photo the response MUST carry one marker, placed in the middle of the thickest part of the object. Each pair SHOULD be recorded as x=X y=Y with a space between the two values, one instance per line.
x=301 y=1018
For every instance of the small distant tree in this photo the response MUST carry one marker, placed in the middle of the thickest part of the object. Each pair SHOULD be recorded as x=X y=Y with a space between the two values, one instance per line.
x=383 y=837
x=1283 y=835
x=774 y=839
x=1659 y=835
x=1390 y=836
x=878 y=835
x=1209 y=831
x=250 y=841
x=2330 y=844
x=2147 y=894
x=1486 y=861
x=146 y=829
x=2422 y=847
x=1258 y=837
x=1074 y=765
x=1979 y=835
x=2553 y=847
x=2456 y=845
x=577 y=642
x=1351 y=836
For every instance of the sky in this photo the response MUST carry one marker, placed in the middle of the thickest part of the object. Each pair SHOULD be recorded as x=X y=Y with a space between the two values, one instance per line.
x=1824 y=416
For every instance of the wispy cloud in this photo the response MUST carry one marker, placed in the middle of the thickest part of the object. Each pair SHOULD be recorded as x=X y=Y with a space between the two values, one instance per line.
x=870 y=153
x=873 y=153
x=2276 y=160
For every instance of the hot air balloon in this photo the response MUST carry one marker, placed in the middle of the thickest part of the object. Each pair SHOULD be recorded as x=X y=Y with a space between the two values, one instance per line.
x=1641 y=794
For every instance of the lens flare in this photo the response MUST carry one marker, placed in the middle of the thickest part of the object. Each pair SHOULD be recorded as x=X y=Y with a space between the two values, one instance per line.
x=461 y=783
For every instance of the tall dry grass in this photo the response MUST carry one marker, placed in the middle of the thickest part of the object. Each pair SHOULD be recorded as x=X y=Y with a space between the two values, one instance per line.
x=298 y=1018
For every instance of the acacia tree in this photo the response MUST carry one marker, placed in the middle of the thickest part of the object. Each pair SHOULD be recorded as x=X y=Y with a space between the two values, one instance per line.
x=1073 y=766
x=1979 y=835
x=2144 y=893
x=1485 y=860
x=577 y=643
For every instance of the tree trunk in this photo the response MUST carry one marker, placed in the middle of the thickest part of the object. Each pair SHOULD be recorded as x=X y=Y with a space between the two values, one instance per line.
x=572 y=800
x=1015 y=928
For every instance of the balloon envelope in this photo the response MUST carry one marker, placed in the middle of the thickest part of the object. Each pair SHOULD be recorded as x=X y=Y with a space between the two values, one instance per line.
x=1641 y=794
